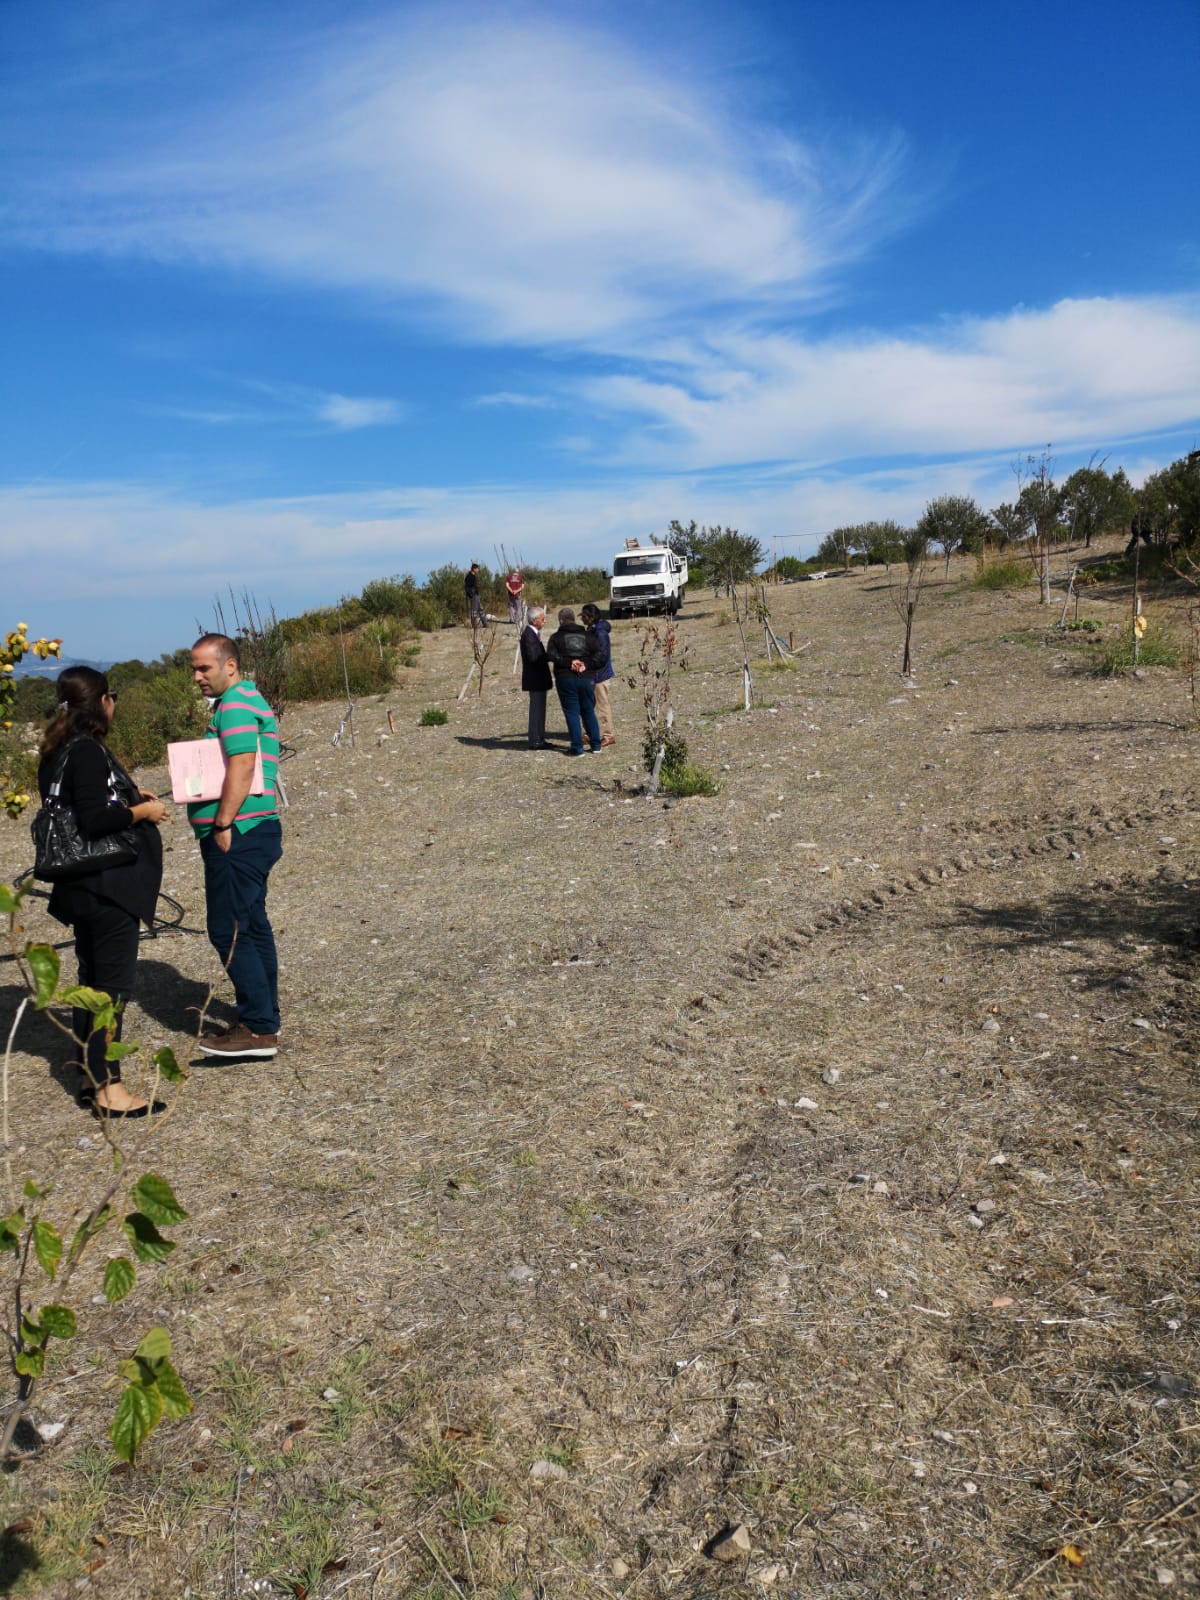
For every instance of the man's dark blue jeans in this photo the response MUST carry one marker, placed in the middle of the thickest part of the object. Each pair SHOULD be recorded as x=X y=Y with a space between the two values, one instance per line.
x=235 y=887
x=577 y=695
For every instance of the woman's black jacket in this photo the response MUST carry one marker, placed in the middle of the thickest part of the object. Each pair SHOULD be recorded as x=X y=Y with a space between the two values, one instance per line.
x=101 y=797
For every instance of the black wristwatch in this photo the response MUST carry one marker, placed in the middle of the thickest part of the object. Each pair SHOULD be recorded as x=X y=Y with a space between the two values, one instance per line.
x=222 y=827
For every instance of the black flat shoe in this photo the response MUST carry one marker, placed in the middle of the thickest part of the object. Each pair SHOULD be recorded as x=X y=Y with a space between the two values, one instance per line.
x=103 y=1114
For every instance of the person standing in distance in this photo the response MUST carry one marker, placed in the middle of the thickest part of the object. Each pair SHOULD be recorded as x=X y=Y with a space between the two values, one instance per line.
x=240 y=841
x=471 y=590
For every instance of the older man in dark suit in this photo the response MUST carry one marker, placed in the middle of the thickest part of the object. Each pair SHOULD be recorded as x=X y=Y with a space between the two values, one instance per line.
x=535 y=676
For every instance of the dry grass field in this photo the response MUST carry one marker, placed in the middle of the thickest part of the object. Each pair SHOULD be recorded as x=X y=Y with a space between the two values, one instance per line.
x=817 y=1159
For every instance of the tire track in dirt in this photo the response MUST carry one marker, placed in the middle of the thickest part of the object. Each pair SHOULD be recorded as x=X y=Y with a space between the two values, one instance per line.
x=769 y=954
x=996 y=843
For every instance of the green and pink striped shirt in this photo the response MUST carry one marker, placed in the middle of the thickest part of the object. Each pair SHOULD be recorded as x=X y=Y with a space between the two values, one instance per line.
x=244 y=723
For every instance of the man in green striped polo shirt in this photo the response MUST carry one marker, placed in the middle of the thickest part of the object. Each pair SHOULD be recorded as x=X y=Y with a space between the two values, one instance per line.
x=240 y=841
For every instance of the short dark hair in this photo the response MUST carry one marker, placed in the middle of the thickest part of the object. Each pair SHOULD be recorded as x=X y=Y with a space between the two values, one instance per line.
x=474 y=566
x=590 y=613
x=226 y=647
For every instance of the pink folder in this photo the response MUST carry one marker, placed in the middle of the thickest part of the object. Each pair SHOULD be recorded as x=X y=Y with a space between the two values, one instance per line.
x=198 y=770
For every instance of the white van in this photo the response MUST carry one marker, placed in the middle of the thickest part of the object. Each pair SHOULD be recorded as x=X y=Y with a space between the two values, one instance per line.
x=646 y=580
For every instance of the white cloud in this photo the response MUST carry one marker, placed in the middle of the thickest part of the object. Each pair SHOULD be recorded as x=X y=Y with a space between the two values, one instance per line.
x=292 y=403
x=346 y=413
x=506 y=397
x=537 y=179
x=1073 y=374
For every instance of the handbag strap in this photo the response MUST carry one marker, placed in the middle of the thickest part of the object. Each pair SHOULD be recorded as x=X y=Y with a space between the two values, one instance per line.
x=59 y=771
x=118 y=777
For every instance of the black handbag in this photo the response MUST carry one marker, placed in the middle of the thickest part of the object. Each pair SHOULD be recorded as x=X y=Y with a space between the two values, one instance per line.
x=60 y=851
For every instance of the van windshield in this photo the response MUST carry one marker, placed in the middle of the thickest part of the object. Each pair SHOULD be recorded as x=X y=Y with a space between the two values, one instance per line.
x=627 y=566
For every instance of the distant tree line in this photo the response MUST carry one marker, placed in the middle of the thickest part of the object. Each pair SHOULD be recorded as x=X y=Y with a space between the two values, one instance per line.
x=1043 y=513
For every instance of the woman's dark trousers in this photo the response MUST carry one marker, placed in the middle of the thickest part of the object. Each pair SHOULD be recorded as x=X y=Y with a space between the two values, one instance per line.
x=106 y=948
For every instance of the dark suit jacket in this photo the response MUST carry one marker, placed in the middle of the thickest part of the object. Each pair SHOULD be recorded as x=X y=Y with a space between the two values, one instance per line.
x=535 y=669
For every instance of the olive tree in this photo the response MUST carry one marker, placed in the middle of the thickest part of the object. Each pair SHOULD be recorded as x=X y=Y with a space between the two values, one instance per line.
x=908 y=585
x=1093 y=502
x=953 y=522
x=1040 y=503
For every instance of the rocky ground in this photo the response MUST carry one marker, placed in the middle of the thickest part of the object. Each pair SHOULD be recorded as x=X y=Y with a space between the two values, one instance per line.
x=785 y=1192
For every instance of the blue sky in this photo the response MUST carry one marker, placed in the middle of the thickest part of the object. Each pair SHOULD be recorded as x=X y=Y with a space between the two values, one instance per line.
x=302 y=295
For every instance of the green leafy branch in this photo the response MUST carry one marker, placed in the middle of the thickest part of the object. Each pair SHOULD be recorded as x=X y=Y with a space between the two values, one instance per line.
x=137 y=1210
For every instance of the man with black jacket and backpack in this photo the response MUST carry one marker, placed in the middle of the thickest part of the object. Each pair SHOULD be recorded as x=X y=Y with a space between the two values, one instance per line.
x=575 y=655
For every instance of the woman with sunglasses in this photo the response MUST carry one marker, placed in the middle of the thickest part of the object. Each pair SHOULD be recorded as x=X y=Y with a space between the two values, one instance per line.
x=103 y=908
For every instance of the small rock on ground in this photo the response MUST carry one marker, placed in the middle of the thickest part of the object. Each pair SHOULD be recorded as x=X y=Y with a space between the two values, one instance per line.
x=731 y=1545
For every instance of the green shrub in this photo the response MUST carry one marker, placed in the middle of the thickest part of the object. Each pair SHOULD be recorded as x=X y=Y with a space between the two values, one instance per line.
x=19 y=757
x=401 y=600
x=1159 y=647
x=385 y=633
x=427 y=615
x=154 y=712
x=674 y=745
x=308 y=625
x=687 y=779
x=444 y=589
x=1002 y=574
x=324 y=622
x=1101 y=572
x=1085 y=625
x=314 y=669
x=124 y=673
x=387 y=597
x=34 y=699
x=678 y=775
x=566 y=586
x=433 y=717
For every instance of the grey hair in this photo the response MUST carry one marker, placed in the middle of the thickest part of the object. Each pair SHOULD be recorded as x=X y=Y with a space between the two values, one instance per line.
x=566 y=615
x=535 y=611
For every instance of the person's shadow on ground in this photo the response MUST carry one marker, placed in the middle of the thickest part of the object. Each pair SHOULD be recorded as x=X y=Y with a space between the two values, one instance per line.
x=37 y=1036
x=510 y=741
x=166 y=997
x=177 y=1002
